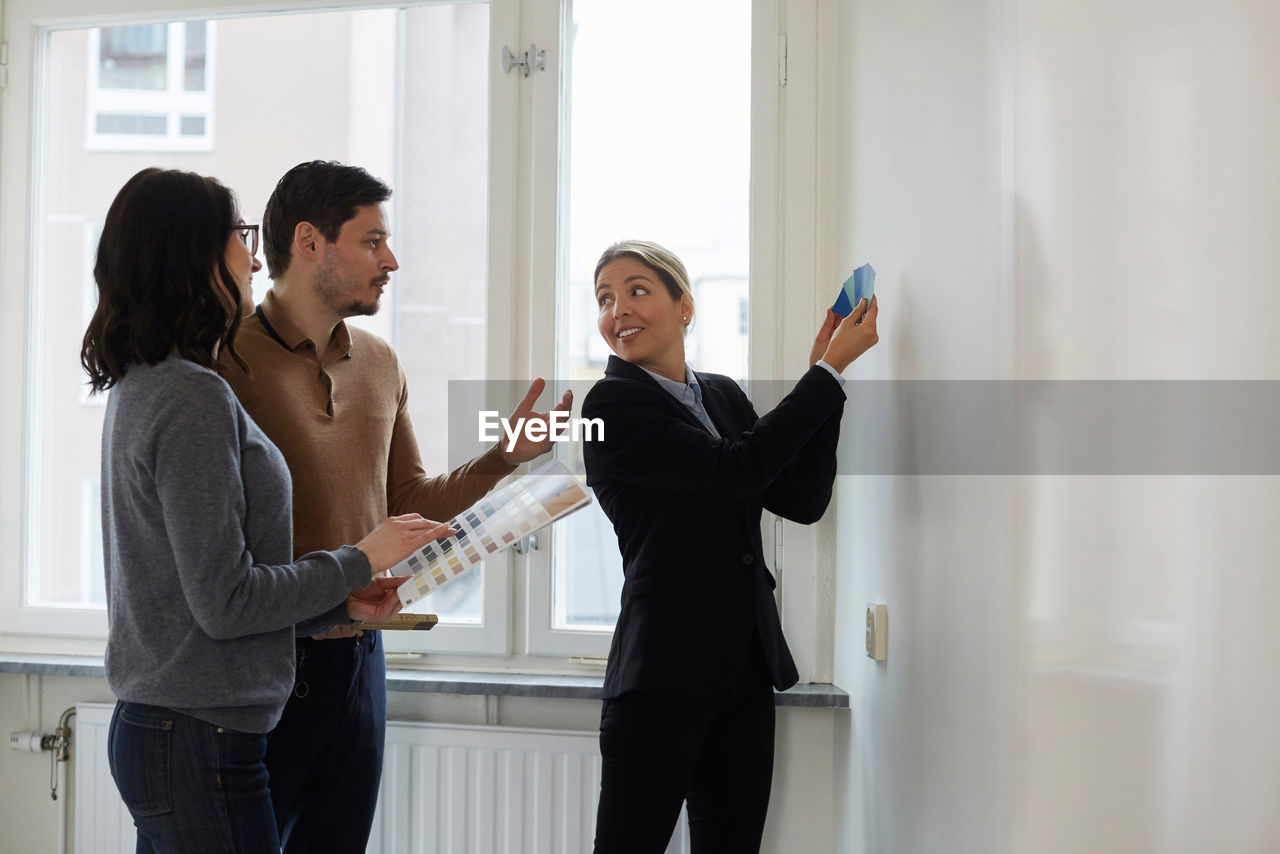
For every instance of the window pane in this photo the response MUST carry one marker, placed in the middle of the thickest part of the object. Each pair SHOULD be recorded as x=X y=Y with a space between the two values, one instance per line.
x=438 y=216
x=146 y=125
x=441 y=238
x=658 y=151
x=193 y=70
x=193 y=125
x=133 y=57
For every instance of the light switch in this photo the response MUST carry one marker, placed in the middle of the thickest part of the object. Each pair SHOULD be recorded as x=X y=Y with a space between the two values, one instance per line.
x=877 y=631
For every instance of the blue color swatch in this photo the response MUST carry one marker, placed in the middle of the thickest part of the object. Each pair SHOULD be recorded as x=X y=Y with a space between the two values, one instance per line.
x=859 y=286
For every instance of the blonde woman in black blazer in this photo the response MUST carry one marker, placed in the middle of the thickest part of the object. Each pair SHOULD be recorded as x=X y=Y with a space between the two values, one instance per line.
x=683 y=471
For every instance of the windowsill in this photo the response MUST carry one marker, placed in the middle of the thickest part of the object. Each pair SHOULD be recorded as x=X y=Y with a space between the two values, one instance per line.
x=814 y=696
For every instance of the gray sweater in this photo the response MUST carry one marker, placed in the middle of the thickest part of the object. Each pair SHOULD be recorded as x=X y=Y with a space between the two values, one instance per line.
x=202 y=596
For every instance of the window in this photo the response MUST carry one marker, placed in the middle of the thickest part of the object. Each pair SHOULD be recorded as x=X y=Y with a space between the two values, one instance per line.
x=387 y=75
x=507 y=188
x=150 y=87
x=648 y=155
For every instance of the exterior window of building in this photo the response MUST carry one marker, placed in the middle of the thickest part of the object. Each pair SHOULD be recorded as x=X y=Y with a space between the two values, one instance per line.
x=150 y=87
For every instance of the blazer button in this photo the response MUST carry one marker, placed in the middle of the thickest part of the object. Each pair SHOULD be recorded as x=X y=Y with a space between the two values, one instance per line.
x=747 y=560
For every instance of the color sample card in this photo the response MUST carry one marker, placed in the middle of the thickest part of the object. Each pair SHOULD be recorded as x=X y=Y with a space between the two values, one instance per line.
x=493 y=523
x=860 y=285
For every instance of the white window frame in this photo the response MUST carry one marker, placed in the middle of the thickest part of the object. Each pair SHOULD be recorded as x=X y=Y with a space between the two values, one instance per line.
x=22 y=169
x=173 y=103
x=785 y=293
x=492 y=636
x=525 y=221
x=549 y=23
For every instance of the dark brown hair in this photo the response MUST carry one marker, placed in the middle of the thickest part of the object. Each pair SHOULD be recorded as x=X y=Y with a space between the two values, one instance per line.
x=324 y=193
x=164 y=237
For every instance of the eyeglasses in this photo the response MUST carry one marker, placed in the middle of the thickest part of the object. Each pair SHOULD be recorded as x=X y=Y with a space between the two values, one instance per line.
x=248 y=235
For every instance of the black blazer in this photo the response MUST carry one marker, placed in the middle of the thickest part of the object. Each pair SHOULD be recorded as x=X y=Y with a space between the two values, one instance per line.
x=686 y=509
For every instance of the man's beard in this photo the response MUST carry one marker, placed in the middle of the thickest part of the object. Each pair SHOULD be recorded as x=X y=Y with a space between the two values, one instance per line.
x=334 y=292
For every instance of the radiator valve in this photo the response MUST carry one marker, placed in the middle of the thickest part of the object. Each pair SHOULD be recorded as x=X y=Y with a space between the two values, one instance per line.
x=31 y=742
x=58 y=743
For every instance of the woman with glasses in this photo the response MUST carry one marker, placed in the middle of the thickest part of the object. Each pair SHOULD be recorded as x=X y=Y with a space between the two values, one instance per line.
x=682 y=471
x=203 y=594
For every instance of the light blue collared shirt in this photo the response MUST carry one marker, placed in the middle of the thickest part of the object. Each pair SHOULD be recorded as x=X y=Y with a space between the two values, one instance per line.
x=689 y=393
x=831 y=371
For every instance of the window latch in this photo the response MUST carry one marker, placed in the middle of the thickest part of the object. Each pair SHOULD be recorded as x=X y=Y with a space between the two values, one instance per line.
x=527 y=544
x=528 y=62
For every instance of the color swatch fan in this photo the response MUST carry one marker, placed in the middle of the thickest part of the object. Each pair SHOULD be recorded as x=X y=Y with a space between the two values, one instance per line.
x=492 y=524
x=860 y=285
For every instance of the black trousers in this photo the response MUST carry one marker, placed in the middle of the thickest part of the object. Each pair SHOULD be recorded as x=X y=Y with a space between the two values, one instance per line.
x=660 y=750
x=325 y=755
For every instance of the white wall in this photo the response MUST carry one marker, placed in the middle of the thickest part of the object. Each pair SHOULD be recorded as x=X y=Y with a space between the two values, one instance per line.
x=1060 y=190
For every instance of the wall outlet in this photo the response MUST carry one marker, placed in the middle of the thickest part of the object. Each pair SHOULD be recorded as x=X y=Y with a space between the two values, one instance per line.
x=877 y=631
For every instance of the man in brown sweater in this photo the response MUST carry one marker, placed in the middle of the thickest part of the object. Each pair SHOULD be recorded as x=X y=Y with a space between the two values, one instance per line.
x=333 y=398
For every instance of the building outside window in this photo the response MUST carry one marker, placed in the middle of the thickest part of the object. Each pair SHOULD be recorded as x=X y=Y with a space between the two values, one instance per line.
x=150 y=87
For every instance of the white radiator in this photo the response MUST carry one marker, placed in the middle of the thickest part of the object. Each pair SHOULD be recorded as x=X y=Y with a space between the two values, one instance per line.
x=103 y=825
x=445 y=790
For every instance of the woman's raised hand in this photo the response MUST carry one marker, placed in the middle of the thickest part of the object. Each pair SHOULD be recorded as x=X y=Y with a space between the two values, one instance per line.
x=396 y=538
x=855 y=335
x=823 y=338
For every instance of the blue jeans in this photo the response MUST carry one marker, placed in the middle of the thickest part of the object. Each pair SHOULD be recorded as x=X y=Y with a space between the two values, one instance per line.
x=192 y=787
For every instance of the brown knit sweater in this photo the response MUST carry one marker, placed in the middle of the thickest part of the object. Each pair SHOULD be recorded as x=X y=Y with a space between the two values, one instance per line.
x=341 y=420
